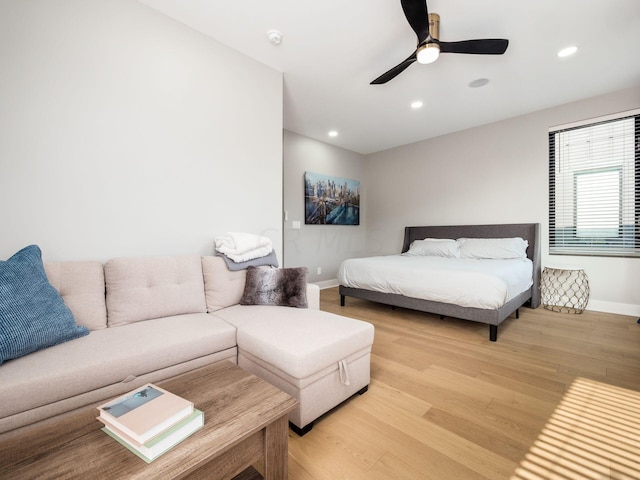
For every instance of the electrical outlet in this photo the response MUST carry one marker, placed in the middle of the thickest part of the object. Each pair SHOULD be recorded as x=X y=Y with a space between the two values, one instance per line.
x=319 y=270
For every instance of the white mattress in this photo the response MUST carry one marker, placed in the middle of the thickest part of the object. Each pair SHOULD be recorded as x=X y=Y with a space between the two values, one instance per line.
x=466 y=282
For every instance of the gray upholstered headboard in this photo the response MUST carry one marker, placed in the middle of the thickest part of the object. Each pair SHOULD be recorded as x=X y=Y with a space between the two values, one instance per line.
x=528 y=231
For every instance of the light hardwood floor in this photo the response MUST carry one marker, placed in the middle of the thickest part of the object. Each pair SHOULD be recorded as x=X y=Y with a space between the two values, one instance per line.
x=556 y=397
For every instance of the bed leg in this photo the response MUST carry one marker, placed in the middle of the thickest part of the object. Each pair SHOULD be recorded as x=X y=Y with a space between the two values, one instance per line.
x=441 y=317
x=493 y=333
x=517 y=313
x=342 y=300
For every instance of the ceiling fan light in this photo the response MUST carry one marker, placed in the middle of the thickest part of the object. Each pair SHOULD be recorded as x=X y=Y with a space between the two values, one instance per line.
x=428 y=53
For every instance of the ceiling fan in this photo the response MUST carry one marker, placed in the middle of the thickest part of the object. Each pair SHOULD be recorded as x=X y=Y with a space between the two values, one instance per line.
x=427 y=28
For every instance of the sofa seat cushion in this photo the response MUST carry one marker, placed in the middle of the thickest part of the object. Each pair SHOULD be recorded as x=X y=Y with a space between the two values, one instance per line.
x=107 y=357
x=299 y=342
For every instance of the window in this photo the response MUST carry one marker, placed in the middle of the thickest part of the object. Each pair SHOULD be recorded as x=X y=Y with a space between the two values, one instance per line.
x=594 y=187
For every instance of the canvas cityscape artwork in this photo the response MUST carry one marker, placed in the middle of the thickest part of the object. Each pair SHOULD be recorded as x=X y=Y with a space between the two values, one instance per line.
x=331 y=200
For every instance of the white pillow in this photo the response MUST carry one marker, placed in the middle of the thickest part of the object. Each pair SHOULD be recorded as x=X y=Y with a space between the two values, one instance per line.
x=434 y=247
x=498 y=248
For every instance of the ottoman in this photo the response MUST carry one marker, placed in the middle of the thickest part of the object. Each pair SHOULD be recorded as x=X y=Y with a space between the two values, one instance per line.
x=317 y=357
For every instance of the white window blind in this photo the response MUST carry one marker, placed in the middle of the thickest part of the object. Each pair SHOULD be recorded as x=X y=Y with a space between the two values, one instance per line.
x=594 y=187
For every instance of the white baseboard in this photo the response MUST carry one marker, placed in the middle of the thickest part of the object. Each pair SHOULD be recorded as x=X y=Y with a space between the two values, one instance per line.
x=613 y=307
x=327 y=283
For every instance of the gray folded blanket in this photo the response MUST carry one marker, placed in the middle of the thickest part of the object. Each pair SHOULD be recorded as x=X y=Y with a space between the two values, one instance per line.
x=269 y=259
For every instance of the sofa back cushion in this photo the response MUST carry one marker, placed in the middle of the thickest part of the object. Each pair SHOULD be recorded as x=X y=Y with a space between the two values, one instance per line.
x=223 y=288
x=144 y=288
x=81 y=286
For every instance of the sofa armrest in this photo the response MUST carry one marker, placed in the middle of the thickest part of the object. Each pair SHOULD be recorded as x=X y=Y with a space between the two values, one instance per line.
x=313 y=296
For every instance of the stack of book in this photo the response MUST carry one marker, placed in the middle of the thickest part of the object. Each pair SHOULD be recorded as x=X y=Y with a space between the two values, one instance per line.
x=149 y=421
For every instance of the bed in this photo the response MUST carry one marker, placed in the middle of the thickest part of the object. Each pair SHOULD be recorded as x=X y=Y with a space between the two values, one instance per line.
x=491 y=311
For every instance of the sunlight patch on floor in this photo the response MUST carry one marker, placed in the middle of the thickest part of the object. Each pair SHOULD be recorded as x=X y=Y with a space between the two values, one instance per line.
x=593 y=434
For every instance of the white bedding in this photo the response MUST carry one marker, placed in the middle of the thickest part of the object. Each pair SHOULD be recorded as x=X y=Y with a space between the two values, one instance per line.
x=467 y=282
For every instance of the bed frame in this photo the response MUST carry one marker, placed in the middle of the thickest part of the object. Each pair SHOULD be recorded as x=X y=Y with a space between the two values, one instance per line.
x=528 y=231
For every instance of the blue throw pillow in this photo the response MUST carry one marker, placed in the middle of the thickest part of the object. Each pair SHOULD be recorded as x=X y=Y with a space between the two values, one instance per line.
x=33 y=315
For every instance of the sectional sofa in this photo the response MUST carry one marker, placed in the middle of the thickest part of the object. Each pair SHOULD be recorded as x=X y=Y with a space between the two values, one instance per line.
x=151 y=318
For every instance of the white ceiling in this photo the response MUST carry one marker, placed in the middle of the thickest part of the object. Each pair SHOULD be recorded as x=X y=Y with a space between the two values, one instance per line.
x=332 y=49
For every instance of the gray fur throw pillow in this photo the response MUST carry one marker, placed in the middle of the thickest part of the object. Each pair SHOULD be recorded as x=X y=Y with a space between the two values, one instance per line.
x=285 y=287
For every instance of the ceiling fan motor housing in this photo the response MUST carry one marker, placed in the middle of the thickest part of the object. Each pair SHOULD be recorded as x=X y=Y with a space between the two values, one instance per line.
x=434 y=26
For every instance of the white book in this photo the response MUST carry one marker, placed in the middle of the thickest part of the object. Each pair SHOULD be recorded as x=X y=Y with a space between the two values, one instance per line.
x=162 y=443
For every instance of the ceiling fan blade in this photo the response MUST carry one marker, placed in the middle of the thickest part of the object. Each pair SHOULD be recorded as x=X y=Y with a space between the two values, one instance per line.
x=418 y=17
x=395 y=71
x=487 y=46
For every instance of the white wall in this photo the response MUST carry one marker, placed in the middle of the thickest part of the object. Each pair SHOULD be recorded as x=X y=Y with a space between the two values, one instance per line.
x=324 y=246
x=496 y=173
x=123 y=132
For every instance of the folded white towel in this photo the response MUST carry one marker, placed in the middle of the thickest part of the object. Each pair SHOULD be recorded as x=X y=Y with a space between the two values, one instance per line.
x=235 y=243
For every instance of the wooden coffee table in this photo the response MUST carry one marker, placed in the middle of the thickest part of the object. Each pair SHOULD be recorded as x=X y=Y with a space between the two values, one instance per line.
x=245 y=422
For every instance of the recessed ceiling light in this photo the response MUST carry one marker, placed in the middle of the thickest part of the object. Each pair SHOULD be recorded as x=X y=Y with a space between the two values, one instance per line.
x=478 y=82
x=417 y=104
x=333 y=133
x=566 y=52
